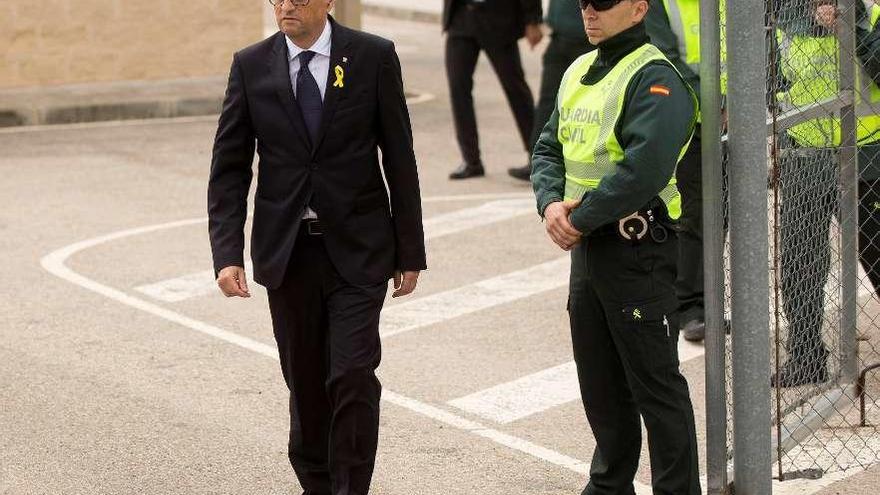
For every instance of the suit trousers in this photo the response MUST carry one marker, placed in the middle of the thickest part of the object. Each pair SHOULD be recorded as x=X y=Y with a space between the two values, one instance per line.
x=327 y=332
x=462 y=53
x=622 y=308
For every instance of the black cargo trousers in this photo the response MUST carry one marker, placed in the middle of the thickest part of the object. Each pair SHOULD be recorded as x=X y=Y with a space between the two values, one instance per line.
x=624 y=329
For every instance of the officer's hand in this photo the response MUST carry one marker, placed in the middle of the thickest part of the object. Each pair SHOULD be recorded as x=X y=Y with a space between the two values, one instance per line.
x=233 y=282
x=404 y=283
x=534 y=34
x=558 y=225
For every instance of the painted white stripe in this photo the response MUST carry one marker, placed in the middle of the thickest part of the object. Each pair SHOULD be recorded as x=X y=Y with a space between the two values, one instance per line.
x=419 y=313
x=479 y=216
x=808 y=487
x=54 y=263
x=452 y=198
x=202 y=283
x=185 y=287
x=524 y=397
x=540 y=391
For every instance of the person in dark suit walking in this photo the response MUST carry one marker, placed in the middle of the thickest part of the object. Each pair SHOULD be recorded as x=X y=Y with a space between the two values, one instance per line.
x=493 y=26
x=317 y=100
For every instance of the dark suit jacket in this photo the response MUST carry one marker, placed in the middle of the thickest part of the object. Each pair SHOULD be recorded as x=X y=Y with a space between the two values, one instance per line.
x=497 y=21
x=366 y=238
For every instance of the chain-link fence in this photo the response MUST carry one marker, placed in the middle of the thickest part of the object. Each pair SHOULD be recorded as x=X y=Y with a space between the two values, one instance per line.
x=822 y=107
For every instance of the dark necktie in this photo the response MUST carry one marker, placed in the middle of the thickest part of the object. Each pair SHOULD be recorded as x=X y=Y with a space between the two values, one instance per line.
x=308 y=95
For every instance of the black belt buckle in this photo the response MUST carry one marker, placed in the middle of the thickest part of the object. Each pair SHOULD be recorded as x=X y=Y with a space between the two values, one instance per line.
x=314 y=227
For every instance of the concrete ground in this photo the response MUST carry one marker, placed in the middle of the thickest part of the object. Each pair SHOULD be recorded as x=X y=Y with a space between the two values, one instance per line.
x=125 y=372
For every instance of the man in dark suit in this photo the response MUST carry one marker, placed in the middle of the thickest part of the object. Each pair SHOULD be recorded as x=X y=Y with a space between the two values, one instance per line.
x=493 y=26
x=317 y=100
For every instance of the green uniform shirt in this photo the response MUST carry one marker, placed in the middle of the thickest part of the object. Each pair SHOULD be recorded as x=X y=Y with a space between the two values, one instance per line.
x=652 y=131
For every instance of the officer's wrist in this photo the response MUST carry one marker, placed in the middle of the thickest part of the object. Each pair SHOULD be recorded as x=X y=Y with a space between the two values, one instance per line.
x=546 y=203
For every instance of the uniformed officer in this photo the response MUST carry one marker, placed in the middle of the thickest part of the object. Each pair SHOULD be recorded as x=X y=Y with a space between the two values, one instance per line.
x=604 y=179
x=808 y=59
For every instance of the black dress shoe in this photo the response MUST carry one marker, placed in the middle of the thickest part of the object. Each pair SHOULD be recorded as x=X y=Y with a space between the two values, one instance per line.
x=799 y=372
x=467 y=170
x=521 y=173
x=694 y=331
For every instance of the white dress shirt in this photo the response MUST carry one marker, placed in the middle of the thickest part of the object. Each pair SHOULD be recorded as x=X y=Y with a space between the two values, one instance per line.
x=320 y=68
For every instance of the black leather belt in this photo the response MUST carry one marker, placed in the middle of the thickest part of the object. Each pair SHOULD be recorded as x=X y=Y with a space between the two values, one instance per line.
x=312 y=227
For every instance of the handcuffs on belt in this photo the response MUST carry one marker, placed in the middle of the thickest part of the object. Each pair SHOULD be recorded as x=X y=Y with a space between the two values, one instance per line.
x=636 y=226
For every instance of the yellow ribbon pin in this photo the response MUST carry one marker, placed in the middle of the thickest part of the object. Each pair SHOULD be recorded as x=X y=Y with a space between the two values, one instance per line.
x=339 y=75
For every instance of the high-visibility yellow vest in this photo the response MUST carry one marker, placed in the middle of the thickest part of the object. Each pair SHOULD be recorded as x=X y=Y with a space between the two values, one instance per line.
x=684 y=19
x=810 y=64
x=588 y=115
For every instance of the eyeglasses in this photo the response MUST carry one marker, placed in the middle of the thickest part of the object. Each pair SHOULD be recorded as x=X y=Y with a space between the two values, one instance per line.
x=599 y=5
x=295 y=3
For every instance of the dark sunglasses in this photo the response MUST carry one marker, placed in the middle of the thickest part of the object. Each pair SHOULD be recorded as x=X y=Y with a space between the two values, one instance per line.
x=599 y=5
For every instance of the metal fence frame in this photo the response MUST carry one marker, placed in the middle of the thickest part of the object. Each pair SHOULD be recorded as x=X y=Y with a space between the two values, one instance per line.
x=749 y=247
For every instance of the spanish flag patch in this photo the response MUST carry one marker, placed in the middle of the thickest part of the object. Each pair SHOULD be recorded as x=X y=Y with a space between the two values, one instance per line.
x=660 y=90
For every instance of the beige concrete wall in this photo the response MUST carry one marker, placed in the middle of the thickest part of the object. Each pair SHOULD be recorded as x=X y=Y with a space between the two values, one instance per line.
x=78 y=41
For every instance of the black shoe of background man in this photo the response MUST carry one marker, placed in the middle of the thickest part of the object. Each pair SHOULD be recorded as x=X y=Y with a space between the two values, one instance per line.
x=695 y=330
x=799 y=372
x=467 y=170
x=521 y=173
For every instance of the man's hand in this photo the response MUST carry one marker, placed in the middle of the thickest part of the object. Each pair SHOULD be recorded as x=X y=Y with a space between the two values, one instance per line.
x=534 y=34
x=559 y=227
x=233 y=282
x=404 y=283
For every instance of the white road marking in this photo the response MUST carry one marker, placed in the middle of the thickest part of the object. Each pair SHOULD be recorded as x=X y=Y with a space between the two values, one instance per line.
x=419 y=313
x=202 y=283
x=806 y=487
x=480 y=197
x=517 y=399
x=185 y=287
x=538 y=392
x=54 y=263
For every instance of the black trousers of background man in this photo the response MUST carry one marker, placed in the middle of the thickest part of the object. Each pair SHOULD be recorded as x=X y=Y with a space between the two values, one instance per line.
x=328 y=340
x=689 y=284
x=463 y=46
x=809 y=193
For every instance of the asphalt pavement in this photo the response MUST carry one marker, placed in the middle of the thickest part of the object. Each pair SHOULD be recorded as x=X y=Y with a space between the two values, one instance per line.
x=124 y=371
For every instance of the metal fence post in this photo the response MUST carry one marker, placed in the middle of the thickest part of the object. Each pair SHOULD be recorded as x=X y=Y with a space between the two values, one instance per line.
x=749 y=249
x=847 y=156
x=348 y=13
x=713 y=248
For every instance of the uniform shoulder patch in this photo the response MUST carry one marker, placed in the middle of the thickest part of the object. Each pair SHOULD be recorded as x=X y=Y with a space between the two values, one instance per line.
x=659 y=89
